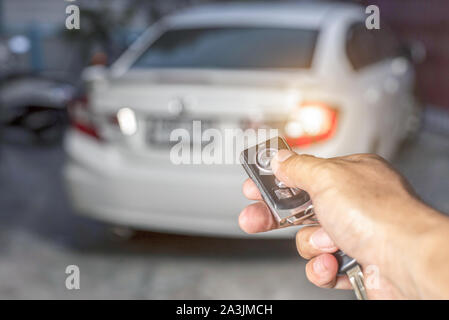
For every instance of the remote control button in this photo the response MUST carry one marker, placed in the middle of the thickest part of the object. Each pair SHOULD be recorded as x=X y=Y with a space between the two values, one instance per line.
x=279 y=183
x=264 y=157
x=283 y=193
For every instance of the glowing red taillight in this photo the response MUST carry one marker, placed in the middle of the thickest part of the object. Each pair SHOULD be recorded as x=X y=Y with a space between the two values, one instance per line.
x=81 y=117
x=311 y=122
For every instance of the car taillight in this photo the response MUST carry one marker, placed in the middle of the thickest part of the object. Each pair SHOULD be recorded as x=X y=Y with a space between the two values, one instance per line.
x=311 y=122
x=81 y=117
x=124 y=120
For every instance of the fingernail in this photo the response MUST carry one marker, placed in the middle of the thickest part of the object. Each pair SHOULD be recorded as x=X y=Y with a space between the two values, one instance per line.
x=319 y=266
x=281 y=156
x=321 y=240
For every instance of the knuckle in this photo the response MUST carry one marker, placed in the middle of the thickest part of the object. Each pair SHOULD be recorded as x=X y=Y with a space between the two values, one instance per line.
x=295 y=163
x=372 y=157
x=326 y=170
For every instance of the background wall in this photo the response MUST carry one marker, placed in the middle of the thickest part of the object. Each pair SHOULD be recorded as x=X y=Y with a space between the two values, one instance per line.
x=428 y=22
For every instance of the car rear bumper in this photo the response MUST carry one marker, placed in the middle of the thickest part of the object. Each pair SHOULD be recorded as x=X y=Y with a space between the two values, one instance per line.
x=197 y=199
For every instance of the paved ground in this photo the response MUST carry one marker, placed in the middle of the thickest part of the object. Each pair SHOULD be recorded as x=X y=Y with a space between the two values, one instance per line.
x=40 y=236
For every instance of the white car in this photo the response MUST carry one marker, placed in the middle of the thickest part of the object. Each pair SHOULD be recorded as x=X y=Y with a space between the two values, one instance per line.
x=313 y=71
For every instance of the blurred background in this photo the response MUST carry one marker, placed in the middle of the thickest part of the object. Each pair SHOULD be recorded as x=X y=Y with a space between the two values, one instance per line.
x=41 y=66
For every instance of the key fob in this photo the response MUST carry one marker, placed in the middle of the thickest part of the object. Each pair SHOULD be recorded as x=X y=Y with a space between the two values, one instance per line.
x=289 y=206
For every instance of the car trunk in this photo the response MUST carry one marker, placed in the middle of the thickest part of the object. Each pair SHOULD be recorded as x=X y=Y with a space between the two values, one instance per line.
x=166 y=100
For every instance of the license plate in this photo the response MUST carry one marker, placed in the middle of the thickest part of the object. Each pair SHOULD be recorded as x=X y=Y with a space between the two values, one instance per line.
x=160 y=130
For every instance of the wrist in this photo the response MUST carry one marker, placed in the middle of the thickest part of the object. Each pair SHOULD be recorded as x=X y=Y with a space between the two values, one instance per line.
x=430 y=271
x=413 y=240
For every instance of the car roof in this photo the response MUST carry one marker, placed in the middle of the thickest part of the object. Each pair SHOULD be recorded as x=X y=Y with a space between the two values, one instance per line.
x=305 y=13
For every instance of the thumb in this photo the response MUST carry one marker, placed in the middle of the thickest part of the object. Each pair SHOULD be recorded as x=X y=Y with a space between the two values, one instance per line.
x=296 y=170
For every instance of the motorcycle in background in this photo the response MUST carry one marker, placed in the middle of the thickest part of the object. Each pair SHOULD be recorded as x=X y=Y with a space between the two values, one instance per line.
x=31 y=103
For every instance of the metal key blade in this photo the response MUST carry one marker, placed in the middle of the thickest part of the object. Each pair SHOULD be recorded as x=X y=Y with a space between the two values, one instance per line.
x=356 y=278
x=350 y=267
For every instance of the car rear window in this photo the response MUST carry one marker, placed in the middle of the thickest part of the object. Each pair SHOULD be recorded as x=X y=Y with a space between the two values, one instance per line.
x=231 y=48
x=367 y=47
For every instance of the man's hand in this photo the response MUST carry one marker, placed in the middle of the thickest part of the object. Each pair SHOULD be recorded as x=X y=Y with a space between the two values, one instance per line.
x=366 y=209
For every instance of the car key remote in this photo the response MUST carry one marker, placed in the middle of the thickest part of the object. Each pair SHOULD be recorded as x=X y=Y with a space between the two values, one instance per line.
x=291 y=206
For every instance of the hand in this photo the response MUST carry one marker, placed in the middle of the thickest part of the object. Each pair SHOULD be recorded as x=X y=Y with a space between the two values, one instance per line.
x=369 y=211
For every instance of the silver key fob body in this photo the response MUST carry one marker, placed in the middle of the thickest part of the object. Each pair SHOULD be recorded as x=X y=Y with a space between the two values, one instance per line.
x=289 y=206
